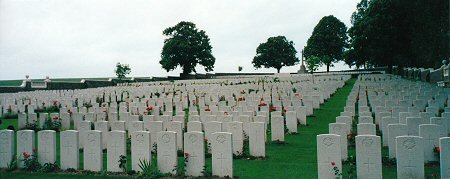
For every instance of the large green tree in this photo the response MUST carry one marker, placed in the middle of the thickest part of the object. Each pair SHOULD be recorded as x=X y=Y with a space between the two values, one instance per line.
x=122 y=70
x=399 y=32
x=275 y=53
x=186 y=46
x=327 y=41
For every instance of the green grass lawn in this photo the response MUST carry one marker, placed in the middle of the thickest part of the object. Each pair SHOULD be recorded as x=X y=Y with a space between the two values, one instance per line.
x=297 y=158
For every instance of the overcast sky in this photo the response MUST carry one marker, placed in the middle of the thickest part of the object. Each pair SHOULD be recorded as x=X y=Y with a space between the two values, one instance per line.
x=86 y=38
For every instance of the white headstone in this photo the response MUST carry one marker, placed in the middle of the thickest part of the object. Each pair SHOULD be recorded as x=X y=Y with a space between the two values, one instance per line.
x=92 y=152
x=410 y=161
x=194 y=151
x=340 y=129
x=385 y=121
x=257 y=145
x=140 y=149
x=104 y=127
x=167 y=152
x=194 y=126
x=328 y=155
x=236 y=129
x=25 y=144
x=368 y=156
x=222 y=154
x=116 y=148
x=393 y=131
x=444 y=144
x=7 y=147
x=47 y=146
x=84 y=129
x=291 y=121
x=155 y=127
x=177 y=127
x=430 y=134
x=69 y=149
x=277 y=128
x=366 y=129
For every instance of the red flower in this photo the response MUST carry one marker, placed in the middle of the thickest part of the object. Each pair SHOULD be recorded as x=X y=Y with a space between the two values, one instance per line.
x=186 y=155
x=438 y=149
x=55 y=118
x=297 y=94
x=104 y=105
x=271 y=109
x=149 y=108
x=262 y=104
x=25 y=155
x=284 y=111
x=55 y=103
x=100 y=100
x=104 y=111
x=241 y=99
x=333 y=164
x=207 y=109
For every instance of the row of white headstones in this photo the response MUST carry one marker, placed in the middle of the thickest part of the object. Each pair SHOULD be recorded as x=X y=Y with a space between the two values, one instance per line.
x=410 y=149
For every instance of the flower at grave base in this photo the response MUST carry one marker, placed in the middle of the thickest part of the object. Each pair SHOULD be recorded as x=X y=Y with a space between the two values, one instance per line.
x=207 y=109
x=186 y=155
x=225 y=113
x=241 y=98
x=333 y=163
x=284 y=111
x=271 y=109
x=437 y=149
x=55 y=118
x=55 y=103
x=104 y=111
x=26 y=155
x=262 y=104
x=100 y=100
x=104 y=105
x=149 y=108
x=296 y=94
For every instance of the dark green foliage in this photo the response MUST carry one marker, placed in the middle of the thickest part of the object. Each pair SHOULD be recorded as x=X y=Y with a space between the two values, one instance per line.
x=275 y=53
x=327 y=41
x=186 y=46
x=399 y=32
x=122 y=70
x=49 y=168
x=123 y=163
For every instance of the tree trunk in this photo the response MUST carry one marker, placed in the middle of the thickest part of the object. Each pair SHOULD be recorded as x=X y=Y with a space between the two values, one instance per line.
x=328 y=68
x=278 y=70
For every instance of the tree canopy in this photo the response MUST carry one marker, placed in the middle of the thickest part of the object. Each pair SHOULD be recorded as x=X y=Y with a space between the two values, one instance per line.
x=399 y=32
x=122 y=70
x=186 y=46
x=275 y=53
x=327 y=41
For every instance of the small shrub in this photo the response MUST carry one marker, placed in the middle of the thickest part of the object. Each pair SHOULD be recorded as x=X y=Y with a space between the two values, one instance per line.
x=49 y=168
x=30 y=162
x=123 y=163
x=146 y=168
x=12 y=165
